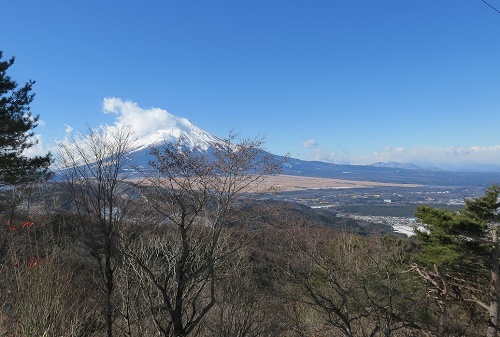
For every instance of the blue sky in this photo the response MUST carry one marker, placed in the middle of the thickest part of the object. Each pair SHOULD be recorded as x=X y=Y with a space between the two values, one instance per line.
x=341 y=81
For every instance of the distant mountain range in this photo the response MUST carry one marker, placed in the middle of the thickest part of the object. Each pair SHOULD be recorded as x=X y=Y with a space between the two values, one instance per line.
x=196 y=138
x=406 y=166
x=390 y=174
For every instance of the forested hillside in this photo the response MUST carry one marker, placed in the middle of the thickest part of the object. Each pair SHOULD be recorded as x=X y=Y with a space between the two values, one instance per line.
x=188 y=251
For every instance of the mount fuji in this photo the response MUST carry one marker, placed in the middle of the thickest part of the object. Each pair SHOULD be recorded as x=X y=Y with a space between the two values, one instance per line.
x=192 y=137
x=189 y=135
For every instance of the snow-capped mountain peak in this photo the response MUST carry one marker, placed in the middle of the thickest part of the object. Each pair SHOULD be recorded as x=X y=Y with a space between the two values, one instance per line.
x=192 y=137
x=155 y=127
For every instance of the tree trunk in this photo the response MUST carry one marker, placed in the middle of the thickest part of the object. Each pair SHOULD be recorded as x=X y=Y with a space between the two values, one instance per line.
x=108 y=271
x=443 y=315
x=492 y=330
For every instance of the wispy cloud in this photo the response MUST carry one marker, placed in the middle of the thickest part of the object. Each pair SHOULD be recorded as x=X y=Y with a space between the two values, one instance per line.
x=68 y=129
x=325 y=155
x=309 y=144
x=39 y=149
x=318 y=153
x=455 y=157
x=450 y=156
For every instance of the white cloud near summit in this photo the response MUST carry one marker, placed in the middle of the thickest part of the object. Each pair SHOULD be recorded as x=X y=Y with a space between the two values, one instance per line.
x=141 y=123
x=144 y=122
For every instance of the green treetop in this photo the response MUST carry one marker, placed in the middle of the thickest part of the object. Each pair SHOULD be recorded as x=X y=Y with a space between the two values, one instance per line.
x=16 y=135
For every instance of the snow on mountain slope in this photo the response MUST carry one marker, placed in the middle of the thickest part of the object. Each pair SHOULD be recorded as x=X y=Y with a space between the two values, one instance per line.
x=191 y=136
x=155 y=127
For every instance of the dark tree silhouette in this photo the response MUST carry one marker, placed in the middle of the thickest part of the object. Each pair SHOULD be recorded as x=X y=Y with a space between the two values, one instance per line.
x=16 y=135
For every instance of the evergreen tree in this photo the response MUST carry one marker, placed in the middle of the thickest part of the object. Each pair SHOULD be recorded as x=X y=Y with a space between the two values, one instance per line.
x=16 y=135
x=463 y=249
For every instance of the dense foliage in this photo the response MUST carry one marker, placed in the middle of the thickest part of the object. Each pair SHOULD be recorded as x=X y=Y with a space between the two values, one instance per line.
x=16 y=135
x=460 y=255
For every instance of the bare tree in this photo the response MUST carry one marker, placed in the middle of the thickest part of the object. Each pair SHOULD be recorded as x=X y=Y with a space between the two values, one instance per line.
x=43 y=292
x=244 y=308
x=93 y=166
x=46 y=299
x=356 y=286
x=179 y=254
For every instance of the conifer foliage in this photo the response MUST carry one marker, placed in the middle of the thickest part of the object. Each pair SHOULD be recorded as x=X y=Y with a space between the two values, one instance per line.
x=16 y=135
x=463 y=249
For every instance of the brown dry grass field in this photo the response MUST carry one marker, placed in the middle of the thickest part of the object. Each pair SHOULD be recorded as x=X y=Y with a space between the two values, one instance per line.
x=296 y=183
x=283 y=183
